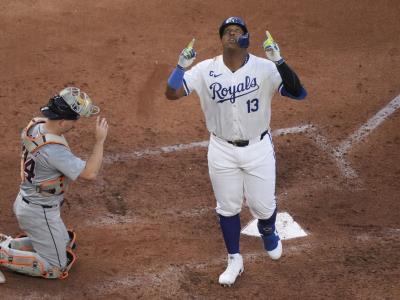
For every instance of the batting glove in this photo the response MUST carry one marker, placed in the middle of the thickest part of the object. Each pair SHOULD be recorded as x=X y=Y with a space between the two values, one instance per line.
x=272 y=50
x=187 y=56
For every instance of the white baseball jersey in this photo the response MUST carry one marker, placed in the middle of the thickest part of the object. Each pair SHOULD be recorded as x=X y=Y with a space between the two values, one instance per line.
x=237 y=106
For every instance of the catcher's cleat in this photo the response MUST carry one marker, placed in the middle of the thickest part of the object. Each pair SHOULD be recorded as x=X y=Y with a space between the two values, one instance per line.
x=235 y=268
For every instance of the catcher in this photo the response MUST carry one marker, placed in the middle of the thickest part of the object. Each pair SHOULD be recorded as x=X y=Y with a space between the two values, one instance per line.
x=47 y=166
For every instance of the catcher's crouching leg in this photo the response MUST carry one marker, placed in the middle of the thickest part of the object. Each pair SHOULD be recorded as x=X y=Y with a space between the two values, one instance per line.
x=30 y=263
x=22 y=241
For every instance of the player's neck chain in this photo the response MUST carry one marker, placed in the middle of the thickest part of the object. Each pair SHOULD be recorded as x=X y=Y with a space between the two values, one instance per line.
x=246 y=59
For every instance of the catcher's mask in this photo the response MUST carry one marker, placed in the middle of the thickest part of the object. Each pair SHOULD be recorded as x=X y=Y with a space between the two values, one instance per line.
x=243 y=40
x=70 y=104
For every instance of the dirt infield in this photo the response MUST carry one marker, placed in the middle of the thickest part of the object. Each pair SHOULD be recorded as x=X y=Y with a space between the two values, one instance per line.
x=147 y=228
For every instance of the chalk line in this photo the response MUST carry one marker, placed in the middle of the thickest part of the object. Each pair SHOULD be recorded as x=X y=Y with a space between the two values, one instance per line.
x=369 y=126
x=344 y=167
x=110 y=219
x=292 y=130
x=111 y=158
x=338 y=153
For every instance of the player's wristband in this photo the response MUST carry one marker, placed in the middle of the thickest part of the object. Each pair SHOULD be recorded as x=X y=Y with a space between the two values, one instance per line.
x=175 y=80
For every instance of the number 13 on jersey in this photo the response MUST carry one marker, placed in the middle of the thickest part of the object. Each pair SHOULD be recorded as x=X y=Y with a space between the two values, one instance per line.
x=252 y=105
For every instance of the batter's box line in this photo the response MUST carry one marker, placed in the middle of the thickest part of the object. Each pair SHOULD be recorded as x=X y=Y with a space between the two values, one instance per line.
x=338 y=153
x=117 y=157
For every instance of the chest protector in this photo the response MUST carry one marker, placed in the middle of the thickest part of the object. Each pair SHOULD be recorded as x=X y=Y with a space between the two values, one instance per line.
x=30 y=145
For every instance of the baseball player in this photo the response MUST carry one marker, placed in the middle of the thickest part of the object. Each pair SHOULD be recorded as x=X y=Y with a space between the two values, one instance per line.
x=47 y=166
x=235 y=91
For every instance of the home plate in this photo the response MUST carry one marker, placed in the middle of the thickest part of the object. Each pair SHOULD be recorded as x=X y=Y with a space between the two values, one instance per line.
x=285 y=225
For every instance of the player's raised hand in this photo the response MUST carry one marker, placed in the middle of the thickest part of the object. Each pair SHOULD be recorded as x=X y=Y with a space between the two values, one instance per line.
x=271 y=49
x=101 y=129
x=187 y=56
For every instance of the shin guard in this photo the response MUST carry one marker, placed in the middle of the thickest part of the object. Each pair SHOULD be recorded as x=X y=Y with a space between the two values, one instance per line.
x=268 y=232
x=29 y=262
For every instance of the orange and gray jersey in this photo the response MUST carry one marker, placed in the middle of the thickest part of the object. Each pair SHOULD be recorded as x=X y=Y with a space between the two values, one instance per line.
x=47 y=168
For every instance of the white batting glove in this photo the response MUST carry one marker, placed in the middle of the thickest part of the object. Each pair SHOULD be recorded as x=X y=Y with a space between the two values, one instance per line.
x=271 y=49
x=187 y=56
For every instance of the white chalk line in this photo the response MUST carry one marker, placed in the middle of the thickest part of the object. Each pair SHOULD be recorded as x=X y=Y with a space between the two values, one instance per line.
x=369 y=126
x=110 y=219
x=111 y=158
x=34 y=295
x=338 y=153
x=344 y=167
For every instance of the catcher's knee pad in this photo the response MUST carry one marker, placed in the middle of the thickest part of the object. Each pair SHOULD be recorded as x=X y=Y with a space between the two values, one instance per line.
x=30 y=263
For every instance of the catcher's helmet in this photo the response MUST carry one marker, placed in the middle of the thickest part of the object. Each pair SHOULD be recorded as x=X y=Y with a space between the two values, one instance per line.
x=244 y=40
x=69 y=104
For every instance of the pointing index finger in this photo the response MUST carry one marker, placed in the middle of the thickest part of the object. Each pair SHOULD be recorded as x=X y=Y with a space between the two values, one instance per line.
x=269 y=36
x=190 y=45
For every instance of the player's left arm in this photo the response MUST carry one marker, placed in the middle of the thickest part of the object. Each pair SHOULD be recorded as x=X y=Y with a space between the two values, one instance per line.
x=291 y=86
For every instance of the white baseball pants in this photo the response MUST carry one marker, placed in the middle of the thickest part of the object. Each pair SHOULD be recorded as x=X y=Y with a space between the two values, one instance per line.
x=243 y=172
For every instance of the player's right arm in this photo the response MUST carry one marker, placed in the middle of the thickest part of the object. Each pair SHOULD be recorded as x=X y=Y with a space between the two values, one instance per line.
x=175 y=88
x=95 y=160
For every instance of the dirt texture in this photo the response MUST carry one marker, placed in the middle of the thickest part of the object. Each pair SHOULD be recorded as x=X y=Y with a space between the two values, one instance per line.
x=147 y=228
